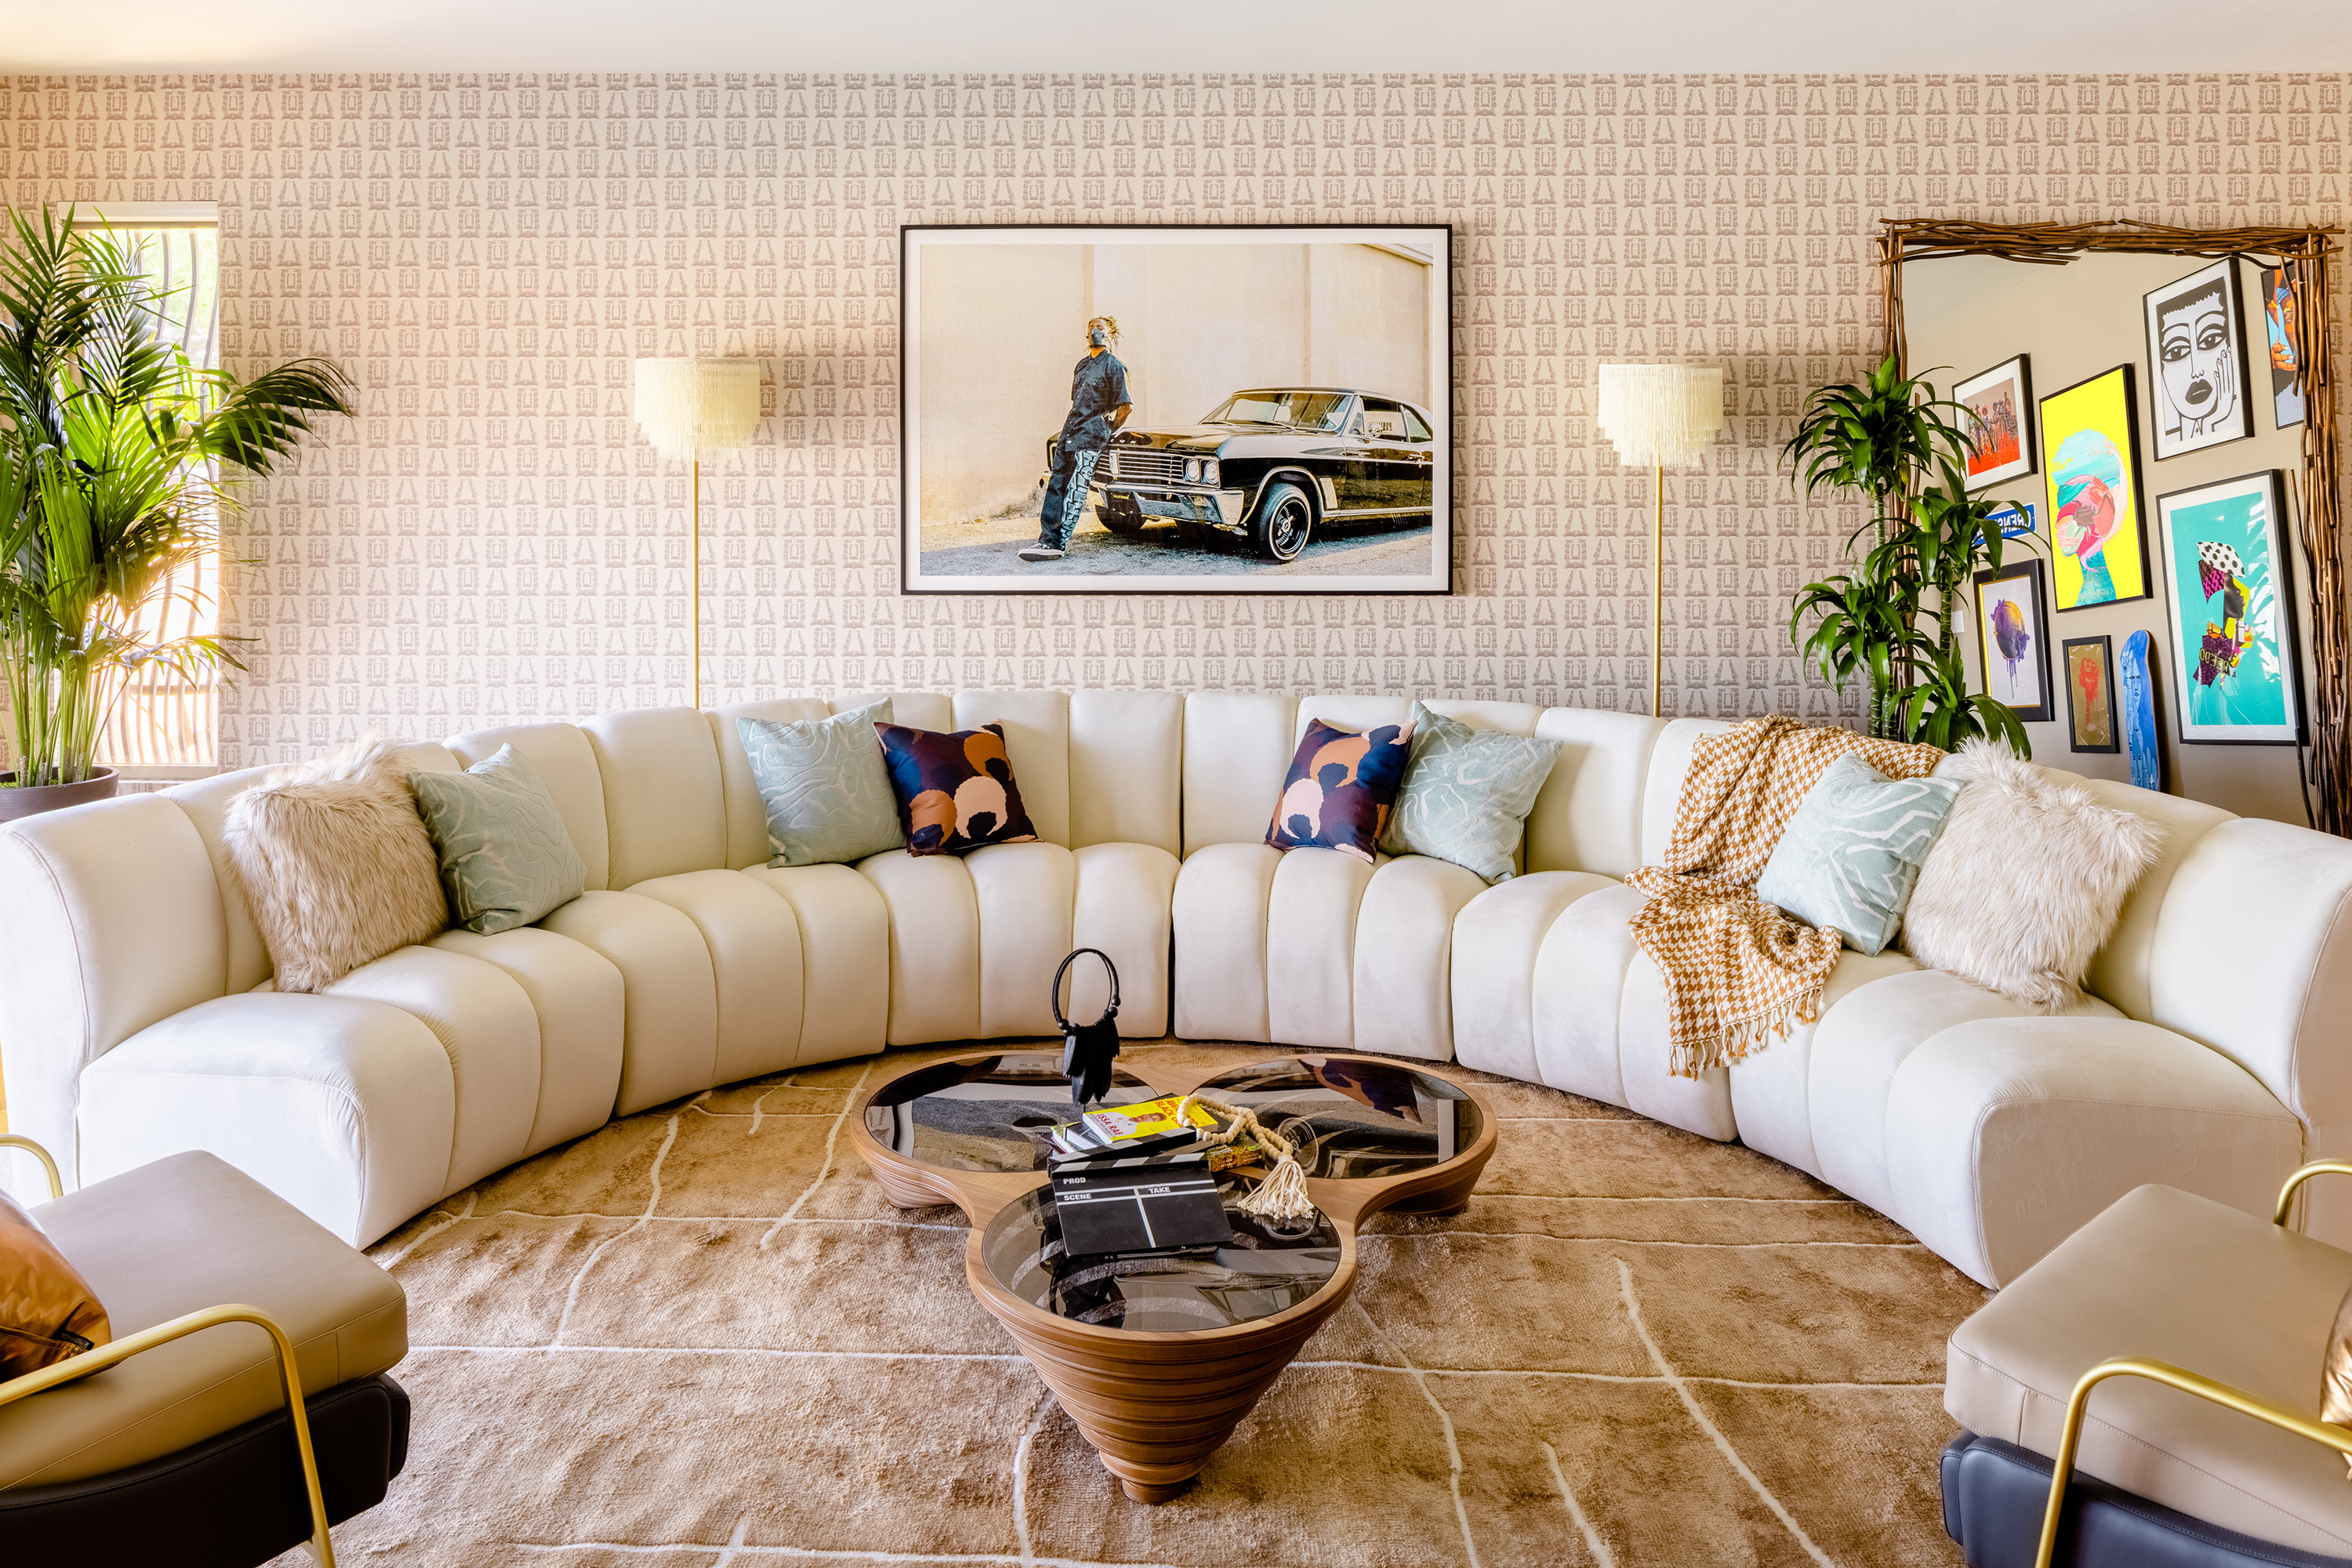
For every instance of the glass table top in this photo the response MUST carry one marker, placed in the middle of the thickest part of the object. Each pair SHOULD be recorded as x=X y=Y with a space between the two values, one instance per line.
x=987 y=1115
x=1351 y=1118
x=1259 y=1272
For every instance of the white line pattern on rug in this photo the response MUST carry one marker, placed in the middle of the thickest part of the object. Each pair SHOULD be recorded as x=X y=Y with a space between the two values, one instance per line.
x=822 y=1554
x=1021 y=1477
x=1599 y=1548
x=832 y=1139
x=1452 y=1449
x=430 y=1231
x=653 y=1201
x=1634 y=1310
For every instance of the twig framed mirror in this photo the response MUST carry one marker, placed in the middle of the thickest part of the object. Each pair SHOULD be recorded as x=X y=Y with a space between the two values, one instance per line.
x=2314 y=506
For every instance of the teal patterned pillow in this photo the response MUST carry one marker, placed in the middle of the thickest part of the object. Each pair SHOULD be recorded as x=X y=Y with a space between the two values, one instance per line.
x=1467 y=793
x=825 y=786
x=1851 y=854
x=506 y=859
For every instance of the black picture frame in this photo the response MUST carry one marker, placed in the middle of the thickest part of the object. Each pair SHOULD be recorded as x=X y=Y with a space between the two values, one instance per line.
x=2281 y=290
x=2097 y=654
x=2122 y=431
x=2033 y=603
x=2190 y=338
x=2278 y=551
x=1228 y=567
x=2019 y=369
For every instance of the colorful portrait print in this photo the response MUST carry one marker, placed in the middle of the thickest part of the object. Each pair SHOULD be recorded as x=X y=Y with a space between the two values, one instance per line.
x=2283 y=326
x=2094 y=492
x=2196 y=354
x=2090 y=695
x=1998 y=404
x=2232 y=637
x=1341 y=787
x=2012 y=639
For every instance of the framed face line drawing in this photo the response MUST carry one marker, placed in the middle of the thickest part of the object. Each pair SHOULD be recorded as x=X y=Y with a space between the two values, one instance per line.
x=2199 y=395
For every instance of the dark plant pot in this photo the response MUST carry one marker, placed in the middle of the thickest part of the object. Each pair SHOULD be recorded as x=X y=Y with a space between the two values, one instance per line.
x=31 y=801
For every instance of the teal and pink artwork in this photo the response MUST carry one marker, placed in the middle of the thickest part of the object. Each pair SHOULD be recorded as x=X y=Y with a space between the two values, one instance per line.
x=2228 y=612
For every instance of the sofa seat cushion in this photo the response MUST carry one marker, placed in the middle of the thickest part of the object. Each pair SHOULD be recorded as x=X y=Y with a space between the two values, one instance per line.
x=669 y=1027
x=169 y=1238
x=1497 y=940
x=2179 y=1278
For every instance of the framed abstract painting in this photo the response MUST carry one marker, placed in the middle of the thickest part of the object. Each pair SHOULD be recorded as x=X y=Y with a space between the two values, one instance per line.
x=2196 y=359
x=2090 y=447
x=2282 y=330
x=2014 y=638
x=1998 y=422
x=2090 y=667
x=2230 y=613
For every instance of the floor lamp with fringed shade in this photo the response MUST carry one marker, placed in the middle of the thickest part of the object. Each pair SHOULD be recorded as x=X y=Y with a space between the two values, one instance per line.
x=1660 y=416
x=687 y=407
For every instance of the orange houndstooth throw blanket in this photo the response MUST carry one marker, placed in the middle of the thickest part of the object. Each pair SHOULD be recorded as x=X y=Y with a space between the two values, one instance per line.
x=1737 y=970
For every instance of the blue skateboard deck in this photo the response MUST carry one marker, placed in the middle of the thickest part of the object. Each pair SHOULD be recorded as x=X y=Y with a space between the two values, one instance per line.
x=2135 y=678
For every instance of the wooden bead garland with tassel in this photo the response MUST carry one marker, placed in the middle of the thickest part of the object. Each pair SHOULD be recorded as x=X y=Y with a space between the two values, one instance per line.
x=1282 y=1196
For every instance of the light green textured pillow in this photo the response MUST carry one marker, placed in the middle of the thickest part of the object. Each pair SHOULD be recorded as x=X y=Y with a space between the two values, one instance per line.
x=825 y=785
x=506 y=858
x=1850 y=854
x=1467 y=793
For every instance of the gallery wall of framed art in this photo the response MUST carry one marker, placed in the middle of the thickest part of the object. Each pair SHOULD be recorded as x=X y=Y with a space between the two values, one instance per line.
x=2157 y=430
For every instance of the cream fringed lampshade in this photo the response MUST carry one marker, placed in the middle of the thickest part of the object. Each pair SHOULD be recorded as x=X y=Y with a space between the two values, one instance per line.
x=1661 y=415
x=690 y=406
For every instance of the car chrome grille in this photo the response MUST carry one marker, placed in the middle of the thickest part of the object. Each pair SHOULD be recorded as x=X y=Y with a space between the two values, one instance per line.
x=1152 y=467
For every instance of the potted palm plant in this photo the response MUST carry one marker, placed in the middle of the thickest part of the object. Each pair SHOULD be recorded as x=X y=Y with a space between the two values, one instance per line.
x=110 y=488
x=1895 y=444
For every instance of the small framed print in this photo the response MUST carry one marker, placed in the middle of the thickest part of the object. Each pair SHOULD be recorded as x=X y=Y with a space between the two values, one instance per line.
x=2196 y=362
x=2282 y=330
x=2014 y=638
x=2230 y=613
x=1999 y=422
x=2090 y=667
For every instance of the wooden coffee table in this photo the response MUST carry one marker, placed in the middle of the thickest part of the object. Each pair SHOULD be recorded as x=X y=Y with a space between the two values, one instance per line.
x=1159 y=1359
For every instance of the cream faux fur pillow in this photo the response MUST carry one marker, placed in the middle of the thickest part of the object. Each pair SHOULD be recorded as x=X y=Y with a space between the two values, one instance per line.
x=2027 y=880
x=337 y=867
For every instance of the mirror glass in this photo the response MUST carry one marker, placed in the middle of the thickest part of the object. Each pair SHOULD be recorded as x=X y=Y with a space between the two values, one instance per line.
x=2105 y=572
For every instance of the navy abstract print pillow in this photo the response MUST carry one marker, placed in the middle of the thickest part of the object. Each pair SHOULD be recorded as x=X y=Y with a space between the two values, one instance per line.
x=1341 y=788
x=955 y=788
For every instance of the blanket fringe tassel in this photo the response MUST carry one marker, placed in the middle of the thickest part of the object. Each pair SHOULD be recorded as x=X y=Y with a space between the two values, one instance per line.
x=1743 y=1038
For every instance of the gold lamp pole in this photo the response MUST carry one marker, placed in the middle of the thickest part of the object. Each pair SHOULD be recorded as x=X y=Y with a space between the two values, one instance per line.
x=687 y=407
x=1659 y=417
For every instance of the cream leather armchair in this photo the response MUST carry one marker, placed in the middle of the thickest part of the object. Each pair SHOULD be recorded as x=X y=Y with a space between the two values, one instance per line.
x=237 y=1323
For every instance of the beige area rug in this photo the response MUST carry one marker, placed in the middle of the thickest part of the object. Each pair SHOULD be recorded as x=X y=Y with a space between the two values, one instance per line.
x=701 y=1339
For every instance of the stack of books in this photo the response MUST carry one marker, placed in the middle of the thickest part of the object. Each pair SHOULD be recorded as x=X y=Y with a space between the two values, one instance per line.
x=1131 y=1181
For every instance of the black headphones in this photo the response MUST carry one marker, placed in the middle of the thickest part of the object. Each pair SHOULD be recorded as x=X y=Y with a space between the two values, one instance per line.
x=1087 y=1048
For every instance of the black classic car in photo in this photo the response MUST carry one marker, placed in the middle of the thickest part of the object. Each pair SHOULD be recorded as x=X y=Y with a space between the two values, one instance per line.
x=1272 y=467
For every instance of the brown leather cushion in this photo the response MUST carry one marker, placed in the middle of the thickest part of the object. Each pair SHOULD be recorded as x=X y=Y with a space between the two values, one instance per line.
x=47 y=1311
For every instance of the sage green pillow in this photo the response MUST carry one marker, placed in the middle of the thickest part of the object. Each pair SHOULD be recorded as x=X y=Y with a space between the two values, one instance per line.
x=825 y=787
x=1467 y=793
x=1851 y=854
x=507 y=859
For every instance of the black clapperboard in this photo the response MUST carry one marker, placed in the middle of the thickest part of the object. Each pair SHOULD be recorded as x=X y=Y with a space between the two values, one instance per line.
x=1139 y=1204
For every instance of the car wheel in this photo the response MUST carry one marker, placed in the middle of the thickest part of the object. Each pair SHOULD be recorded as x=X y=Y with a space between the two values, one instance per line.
x=1285 y=521
x=1125 y=524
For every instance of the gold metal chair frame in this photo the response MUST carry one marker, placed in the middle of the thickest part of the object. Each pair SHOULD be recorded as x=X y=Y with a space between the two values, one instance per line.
x=2078 y=1404
x=289 y=1377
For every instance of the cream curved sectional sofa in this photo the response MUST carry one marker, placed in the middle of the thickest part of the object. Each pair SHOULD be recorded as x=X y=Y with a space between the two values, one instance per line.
x=137 y=1020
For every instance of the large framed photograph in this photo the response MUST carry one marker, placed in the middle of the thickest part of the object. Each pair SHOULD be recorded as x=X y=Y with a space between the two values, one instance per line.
x=1999 y=422
x=2013 y=638
x=2229 y=612
x=2090 y=665
x=2196 y=359
x=1176 y=410
x=2090 y=448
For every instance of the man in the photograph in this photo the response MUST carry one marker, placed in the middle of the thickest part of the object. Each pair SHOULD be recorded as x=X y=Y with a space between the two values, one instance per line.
x=1100 y=405
x=2198 y=362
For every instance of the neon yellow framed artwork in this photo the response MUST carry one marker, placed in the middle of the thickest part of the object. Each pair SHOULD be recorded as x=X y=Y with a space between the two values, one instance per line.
x=2090 y=444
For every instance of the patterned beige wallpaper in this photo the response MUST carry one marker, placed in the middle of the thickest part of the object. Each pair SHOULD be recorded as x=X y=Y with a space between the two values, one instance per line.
x=491 y=540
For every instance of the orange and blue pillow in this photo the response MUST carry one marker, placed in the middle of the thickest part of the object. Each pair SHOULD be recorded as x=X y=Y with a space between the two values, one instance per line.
x=1341 y=788
x=955 y=788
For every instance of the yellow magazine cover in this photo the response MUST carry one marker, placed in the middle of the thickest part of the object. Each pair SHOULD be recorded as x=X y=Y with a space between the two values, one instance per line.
x=1152 y=1118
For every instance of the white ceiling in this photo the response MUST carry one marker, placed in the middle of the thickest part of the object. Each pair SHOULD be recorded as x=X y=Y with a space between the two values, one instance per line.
x=1006 y=36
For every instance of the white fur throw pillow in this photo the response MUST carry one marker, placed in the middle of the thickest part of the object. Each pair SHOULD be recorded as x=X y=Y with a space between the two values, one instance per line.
x=2027 y=880
x=337 y=866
